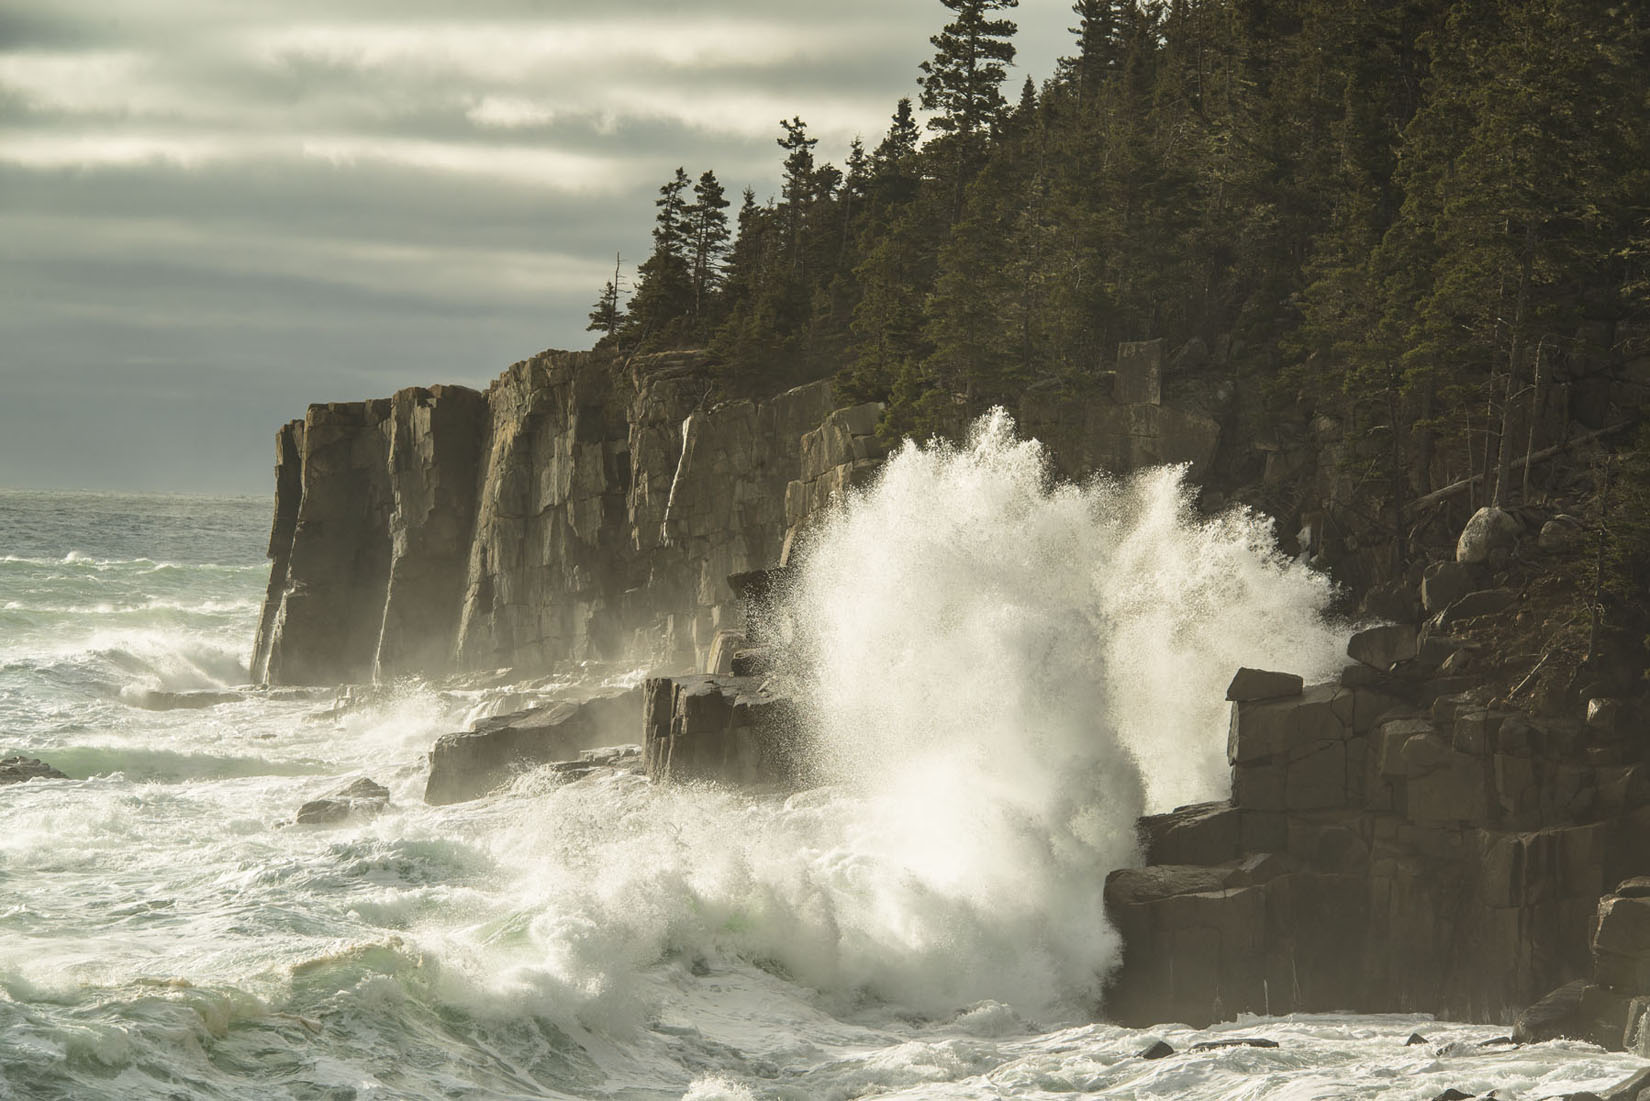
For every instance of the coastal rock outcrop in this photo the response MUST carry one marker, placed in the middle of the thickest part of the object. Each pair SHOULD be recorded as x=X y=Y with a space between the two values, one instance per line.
x=19 y=769
x=1610 y=1007
x=574 y=511
x=362 y=799
x=732 y=730
x=1388 y=846
x=585 y=509
x=470 y=764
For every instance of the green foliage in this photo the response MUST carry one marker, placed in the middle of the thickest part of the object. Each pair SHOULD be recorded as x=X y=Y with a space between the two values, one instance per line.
x=1400 y=214
x=707 y=244
x=963 y=82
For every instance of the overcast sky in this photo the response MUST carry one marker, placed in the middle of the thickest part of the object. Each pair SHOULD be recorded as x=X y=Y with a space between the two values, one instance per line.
x=214 y=212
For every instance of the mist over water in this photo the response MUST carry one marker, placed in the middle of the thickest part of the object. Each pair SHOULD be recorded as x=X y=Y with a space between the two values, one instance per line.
x=1051 y=641
x=1003 y=673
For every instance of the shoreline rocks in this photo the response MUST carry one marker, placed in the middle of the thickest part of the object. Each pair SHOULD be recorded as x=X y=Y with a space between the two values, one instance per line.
x=731 y=730
x=1388 y=847
x=584 y=508
x=18 y=769
x=362 y=799
x=469 y=764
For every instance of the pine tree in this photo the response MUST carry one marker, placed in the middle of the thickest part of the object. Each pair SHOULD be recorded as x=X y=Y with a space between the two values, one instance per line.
x=707 y=225
x=605 y=316
x=664 y=281
x=963 y=81
x=799 y=187
x=1098 y=47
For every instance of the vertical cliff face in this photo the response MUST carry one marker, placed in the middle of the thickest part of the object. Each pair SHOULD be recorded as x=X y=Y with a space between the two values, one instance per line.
x=289 y=446
x=725 y=512
x=373 y=513
x=435 y=439
x=548 y=565
x=575 y=511
x=329 y=611
x=578 y=510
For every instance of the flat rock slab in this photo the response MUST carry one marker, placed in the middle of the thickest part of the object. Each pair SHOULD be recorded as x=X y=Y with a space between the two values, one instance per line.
x=1263 y=684
x=17 y=770
x=1381 y=648
x=470 y=764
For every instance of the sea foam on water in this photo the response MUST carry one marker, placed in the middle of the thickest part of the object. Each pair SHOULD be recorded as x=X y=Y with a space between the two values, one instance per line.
x=1002 y=673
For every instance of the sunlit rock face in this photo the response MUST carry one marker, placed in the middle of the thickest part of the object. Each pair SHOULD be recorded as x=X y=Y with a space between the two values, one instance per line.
x=578 y=510
x=584 y=508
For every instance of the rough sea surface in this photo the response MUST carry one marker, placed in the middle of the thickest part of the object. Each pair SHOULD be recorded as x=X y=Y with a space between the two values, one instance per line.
x=925 y=927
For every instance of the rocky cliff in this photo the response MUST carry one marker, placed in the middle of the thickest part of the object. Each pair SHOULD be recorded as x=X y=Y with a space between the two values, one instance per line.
x=1402 y=840
x=583 y=509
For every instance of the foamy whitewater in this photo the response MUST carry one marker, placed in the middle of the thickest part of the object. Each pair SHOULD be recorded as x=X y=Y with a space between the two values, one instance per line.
x=1005 y=673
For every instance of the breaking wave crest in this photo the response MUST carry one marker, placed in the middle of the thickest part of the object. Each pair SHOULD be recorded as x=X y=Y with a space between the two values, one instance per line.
x=1003 y=673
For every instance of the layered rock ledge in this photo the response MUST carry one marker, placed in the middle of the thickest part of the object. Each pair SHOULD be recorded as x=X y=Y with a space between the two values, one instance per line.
x=1389 y=846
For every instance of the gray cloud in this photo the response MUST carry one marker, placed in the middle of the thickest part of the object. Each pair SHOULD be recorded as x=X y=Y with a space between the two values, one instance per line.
x=211 y=215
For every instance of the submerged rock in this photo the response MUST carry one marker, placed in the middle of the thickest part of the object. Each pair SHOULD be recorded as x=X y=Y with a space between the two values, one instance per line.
x=156 y=700
x=1159 y=1050
x=17 y=769
x=1240 y=1041
x=362 y=799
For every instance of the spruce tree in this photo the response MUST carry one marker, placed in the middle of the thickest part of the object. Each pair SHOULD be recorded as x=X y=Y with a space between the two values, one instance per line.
x=799 y=187
x=707 y=226
x=605 y=316
x=963 y=82
x=664 y=281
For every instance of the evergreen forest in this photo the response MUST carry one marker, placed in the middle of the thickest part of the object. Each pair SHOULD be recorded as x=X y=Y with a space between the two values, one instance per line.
x=1426 y=222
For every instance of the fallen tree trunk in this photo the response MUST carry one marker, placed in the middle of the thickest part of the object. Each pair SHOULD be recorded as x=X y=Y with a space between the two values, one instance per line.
x=1529 y=460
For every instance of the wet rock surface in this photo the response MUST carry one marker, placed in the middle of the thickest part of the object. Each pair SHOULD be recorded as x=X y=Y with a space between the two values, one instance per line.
x=1260 y=684
x=469 y=764
x=361 y=799
x=19 y=769
x=1393 y=846
x=732 y=730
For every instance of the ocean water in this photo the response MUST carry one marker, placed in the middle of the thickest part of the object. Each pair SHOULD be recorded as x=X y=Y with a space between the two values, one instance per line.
x=1005 y=672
